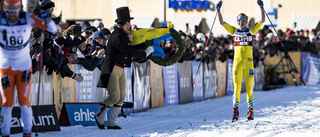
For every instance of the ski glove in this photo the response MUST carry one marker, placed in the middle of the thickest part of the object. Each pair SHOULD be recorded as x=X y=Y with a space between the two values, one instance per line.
x=260 y=3
x=45 y=16
x=219 y=4
x=149 y=50
x=77 y=77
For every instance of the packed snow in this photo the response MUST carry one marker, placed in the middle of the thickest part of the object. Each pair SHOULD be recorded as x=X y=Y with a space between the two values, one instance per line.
x=293 y=111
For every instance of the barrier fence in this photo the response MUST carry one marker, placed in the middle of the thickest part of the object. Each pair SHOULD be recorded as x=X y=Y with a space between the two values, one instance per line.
x=151 y=86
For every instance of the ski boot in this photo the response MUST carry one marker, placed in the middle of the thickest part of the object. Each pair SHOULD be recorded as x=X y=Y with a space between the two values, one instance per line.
x=235 y=114
x=250 y=113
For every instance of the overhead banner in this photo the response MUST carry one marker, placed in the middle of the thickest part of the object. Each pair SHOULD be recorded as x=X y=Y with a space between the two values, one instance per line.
x=185 y=82
x=284 y=66
x=47 y=119
x=310 y=68
x=197 y=76
x=141 y=87
x=209 y=80
x=81 y=114
x=129 y=97
x=171 y=85
x=64 y=90
x=230 y=84
x=258 y=78
x=86 y=90
x=222 y=80
x=157 y=91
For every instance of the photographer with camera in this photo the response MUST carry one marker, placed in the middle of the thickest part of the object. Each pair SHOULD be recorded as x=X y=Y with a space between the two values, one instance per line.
x=90 y=62
x=70 y=48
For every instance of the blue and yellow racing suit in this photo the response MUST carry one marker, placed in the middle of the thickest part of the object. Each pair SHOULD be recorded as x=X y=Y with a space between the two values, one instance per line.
x=243 y=60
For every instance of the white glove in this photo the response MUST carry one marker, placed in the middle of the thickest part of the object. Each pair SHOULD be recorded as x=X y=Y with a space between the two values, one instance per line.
x=149 y=50
x=77 y=77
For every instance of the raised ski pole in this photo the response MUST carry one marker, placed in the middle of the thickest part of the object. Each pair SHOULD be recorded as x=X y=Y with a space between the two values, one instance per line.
x=285 y=50
x=194 y=80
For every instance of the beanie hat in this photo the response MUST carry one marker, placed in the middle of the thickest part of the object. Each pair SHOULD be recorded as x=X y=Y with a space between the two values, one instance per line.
x=46 y=4
x=105 y=31
x=98 y=34
x=97 y=23
x=85 y=25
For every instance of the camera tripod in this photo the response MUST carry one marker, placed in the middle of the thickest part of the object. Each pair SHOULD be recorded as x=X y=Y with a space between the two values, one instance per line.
x=291 y=69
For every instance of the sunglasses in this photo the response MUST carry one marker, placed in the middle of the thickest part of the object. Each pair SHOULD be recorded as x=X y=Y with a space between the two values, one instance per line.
x=12 y=11
x=241 y=19
x=89 y=33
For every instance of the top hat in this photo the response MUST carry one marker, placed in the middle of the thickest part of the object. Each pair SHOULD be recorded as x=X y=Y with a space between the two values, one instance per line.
x=123 y=15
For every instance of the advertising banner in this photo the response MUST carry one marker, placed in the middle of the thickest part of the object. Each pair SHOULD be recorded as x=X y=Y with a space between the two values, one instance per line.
x=230 y=84
x=185 y=82
x=86 y=90
x=64 y=90
x=46 y=90
x=284 y=66
x=171 y=85
x=129 y=96
x=197 y=76
x=47 y=119
x=258 y=78
x=80 y=114
x=141 y=87
x=157 y=91
x=310 y=68
x=209 y=80
x=222 y=78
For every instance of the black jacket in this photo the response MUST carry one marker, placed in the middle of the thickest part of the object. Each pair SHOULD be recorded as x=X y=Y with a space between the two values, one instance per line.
x=119 y=50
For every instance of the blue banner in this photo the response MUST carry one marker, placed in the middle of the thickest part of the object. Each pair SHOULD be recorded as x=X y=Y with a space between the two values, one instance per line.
x=198 y=79
x=310 y=68
x=129 y=98
x=171 y=85
x=83 y=114
x=230 y=85
x=189 y=4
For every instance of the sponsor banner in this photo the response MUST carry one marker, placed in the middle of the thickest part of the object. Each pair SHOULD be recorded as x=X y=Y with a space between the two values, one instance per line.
x=258 y=78
x=129 y=97
x=157 y=91
x=284 y=66
x=171 y=85
x=141 y=87
x=81 y=114
x=86 y=90
x=46 y=89
x=222 y=80
x=47 y=119
x=209 y=80
x=230 y=84
x=197 y=76
x=310 y=68
x=64 y=90
x=185 y=82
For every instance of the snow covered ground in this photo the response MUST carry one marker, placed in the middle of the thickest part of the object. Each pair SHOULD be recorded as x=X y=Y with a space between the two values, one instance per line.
x=287 y=112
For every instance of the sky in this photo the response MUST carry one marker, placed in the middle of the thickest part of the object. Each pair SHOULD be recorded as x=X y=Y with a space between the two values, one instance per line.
x=293 y=111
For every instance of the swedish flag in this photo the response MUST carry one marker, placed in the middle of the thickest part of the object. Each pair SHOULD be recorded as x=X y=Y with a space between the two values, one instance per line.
x=156 y=35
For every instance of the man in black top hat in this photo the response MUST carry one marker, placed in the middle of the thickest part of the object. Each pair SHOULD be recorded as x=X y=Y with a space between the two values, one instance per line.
x=119 y=53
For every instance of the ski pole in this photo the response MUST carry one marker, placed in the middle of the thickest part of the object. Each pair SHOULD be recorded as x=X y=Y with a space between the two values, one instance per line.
x=194 y=80
x=39 y=73
x=286 y=52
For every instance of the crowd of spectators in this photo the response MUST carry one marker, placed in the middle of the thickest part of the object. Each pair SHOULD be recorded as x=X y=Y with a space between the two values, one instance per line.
x=85 y=44
x=266 y=43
